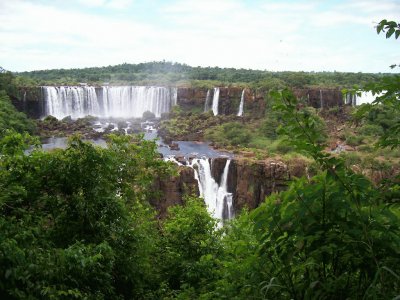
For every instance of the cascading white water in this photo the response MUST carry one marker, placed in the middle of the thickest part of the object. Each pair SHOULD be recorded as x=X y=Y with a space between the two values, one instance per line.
x=207 y=103
x=240 y=112
x=174 y=96
x=365 y=97
x=350 y=99
x=361 y=98
x=217 y=198
x=224 y=198
x=115 y=101
x=172 y=158
x=215 y=101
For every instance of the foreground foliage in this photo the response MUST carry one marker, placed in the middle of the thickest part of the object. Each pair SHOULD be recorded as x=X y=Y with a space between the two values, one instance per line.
x=75 y=223
x=332 y=236
x=10 y=118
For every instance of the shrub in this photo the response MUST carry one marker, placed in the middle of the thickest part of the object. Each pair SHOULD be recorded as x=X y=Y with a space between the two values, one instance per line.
x=354 y=140
x=236 y=133
x=371 y=129
x=10 y=118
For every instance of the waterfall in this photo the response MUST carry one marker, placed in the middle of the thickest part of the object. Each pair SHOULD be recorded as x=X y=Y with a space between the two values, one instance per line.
x=224 y=198
x=240 y=112
x=320 y=98
x=353 y=100
x=215 y=101
x=365 y=97
x=207 y=103
x=174 y=96
x=111 y=101
x=217 y=198
x=361 y=98
x=350 y=99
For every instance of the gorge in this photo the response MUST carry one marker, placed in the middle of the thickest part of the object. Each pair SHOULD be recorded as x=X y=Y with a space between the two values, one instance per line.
x=226 y=183
x=132 y=101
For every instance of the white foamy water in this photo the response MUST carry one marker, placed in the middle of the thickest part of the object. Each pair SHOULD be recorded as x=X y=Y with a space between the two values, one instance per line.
x=108 y=101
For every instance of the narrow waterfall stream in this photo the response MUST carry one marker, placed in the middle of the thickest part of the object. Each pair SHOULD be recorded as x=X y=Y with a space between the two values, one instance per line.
x=240 y=112
x=207 y=102
x=224 y=198
x=215 y=101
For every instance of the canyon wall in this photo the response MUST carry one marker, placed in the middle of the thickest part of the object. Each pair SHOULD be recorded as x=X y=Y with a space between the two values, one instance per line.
x=173 y=189
x=250 y=181
x=325 y=98
x=193 y=99
x=32 y=102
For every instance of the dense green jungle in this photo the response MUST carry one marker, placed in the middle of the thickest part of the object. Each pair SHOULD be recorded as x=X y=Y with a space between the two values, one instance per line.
x=77 y=223
x=182 y=75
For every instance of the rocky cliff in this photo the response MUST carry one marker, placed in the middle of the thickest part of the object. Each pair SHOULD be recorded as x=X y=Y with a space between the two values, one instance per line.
x=320 y=98
x=31 y=100
x=173 y=189
x=193 y=99
x=250 y=181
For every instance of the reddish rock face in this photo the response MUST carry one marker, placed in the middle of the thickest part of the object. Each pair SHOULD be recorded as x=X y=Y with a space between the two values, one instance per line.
x=229 y=100
x=250 y=182
x=257 y=179
x=193 y=99
x=254 y=100
x=320 y=97
x=173 y=189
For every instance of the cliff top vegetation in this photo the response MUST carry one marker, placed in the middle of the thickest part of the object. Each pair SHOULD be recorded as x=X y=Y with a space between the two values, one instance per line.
x=170 y=73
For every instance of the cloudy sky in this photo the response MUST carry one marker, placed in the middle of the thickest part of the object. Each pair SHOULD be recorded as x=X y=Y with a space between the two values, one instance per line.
x=258 y=34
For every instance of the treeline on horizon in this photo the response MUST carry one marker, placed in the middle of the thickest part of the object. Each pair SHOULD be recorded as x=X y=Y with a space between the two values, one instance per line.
x=170 y=73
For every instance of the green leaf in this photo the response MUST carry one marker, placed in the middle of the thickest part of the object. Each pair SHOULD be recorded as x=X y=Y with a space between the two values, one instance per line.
x=379 y=28
x=390 y=32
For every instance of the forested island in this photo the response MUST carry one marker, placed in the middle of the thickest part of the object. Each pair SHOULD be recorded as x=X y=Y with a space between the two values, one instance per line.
x=296 y=195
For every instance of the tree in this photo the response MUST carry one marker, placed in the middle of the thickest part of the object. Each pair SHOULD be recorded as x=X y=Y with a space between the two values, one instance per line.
x=332 y=235
x=10 y=118
x=76 y=223
x=191 y=247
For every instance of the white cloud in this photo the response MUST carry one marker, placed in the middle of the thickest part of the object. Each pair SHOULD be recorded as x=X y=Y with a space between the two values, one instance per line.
x=92 y=3
x=119 y=4
x=115 y=4
x=226 y=33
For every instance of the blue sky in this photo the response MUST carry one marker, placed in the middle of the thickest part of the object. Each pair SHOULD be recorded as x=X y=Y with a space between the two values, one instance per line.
x=266 y=35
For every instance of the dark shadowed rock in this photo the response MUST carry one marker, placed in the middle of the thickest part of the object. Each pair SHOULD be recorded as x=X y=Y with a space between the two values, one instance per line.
x=173 y=189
